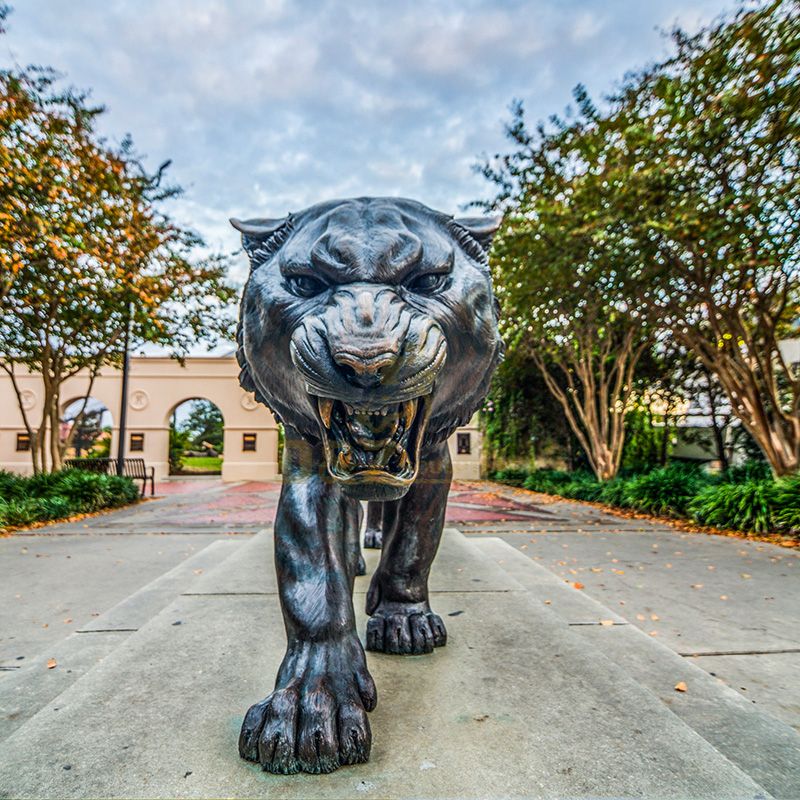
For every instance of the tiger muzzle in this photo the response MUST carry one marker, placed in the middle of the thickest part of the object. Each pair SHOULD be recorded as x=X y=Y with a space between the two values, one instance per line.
x=370 y=363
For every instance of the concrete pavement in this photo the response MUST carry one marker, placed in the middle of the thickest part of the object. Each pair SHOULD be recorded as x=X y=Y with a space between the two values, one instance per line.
x=728 y=604
x=633 y=606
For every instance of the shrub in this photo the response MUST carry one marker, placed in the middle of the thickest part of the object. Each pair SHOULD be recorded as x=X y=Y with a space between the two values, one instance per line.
x=741 y=506
x=749 y=471
x=667 y=490
x=513 y=476
x=615 y=492
x=18 y=512
x=787 y=505
x=583 y=487
x=547 y=480
x=49 y=496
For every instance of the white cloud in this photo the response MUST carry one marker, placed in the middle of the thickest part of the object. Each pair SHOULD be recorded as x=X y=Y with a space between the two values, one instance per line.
x=269 y=106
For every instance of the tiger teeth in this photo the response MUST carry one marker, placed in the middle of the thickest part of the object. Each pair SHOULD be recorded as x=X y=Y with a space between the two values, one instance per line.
x=407 y=411
x=325 y=406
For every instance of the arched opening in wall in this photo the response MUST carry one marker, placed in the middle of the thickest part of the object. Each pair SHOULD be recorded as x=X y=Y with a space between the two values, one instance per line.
x=196 y=438
x=86 y=429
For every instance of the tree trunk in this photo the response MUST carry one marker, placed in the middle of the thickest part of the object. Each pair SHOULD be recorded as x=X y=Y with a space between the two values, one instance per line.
x=596 y=398
x=717 y=429
x=748 y=374
x=33 y=438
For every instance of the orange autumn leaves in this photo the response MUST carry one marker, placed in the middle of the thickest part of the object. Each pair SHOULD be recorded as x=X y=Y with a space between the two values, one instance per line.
x=84 y=243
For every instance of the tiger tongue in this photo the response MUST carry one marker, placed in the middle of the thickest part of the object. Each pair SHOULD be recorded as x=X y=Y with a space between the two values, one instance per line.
x=372 y=431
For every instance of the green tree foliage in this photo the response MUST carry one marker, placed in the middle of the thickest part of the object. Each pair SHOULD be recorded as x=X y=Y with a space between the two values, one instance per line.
x=204 y=425
x=178 y=445
x=522 y=422
x=704 y=155
x=673 y=211
x=566 y=280
x=86 y=249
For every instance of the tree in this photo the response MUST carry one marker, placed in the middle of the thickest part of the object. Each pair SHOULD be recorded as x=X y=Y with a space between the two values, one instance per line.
x=679 y=203
x=566 y=281
x=204 y=425
x=87 y=251
x=705 y=161
x=521 y=421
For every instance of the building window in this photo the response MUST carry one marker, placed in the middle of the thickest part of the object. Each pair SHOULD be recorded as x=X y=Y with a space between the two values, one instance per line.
x=463 y=444
x=23 y=442
x=137 y=443
x=248 y=442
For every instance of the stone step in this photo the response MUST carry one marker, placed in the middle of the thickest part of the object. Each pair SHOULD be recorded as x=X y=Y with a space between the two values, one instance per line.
x=764 y=747
x=517 y=705
x=25 y=691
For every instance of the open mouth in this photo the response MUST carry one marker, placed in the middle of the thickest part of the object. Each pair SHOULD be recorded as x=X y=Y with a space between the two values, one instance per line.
x=375 y=445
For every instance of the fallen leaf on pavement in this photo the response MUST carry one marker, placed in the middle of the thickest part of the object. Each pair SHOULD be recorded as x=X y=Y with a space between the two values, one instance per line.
x=641 y=617
x=606 y=622
x=681 y=686
x=51 y=663
x=578 y=585
x=746 y=575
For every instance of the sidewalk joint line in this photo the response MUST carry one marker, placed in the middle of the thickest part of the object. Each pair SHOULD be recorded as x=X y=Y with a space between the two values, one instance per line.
x=742 y=653
x=109 y=630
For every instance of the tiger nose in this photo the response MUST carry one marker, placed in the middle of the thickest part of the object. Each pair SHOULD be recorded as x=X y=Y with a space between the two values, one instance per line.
x=364 y=369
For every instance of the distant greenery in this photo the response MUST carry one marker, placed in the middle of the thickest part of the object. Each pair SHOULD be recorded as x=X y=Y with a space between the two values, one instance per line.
x=745 y=498
x=202 y=429
x=55 y=495
x=178 y=444
x=204 y=425
x=202 y=463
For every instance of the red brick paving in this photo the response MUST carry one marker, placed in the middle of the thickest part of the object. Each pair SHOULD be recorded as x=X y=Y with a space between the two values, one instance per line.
x=255 y=503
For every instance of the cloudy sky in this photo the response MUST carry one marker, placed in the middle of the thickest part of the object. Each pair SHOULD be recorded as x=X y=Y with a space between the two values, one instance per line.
x=267 y=106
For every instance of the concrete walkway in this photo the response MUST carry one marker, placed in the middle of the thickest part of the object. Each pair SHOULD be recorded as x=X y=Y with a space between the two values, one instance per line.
x=728 y=604
x=120 y=621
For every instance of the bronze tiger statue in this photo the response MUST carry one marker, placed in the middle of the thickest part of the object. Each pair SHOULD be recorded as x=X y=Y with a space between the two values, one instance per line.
x=369 y=328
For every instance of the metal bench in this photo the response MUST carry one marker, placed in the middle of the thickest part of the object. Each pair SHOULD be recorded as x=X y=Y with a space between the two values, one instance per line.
x=133 y=468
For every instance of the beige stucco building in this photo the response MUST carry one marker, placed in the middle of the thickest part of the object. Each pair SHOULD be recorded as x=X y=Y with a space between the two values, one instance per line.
x=157 y=385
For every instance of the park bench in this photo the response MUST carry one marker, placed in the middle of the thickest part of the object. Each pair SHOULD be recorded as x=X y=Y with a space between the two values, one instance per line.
x=133 y=468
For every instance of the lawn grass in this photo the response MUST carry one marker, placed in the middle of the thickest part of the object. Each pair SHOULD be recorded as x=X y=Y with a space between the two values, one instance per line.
x=202 y=464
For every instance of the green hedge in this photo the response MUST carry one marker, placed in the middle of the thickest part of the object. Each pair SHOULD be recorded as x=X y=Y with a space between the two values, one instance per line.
x=51 y=496
x=745 y=498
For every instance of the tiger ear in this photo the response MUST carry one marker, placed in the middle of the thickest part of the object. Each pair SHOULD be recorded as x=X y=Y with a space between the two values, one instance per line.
x=481 y=229
x=255 y=232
